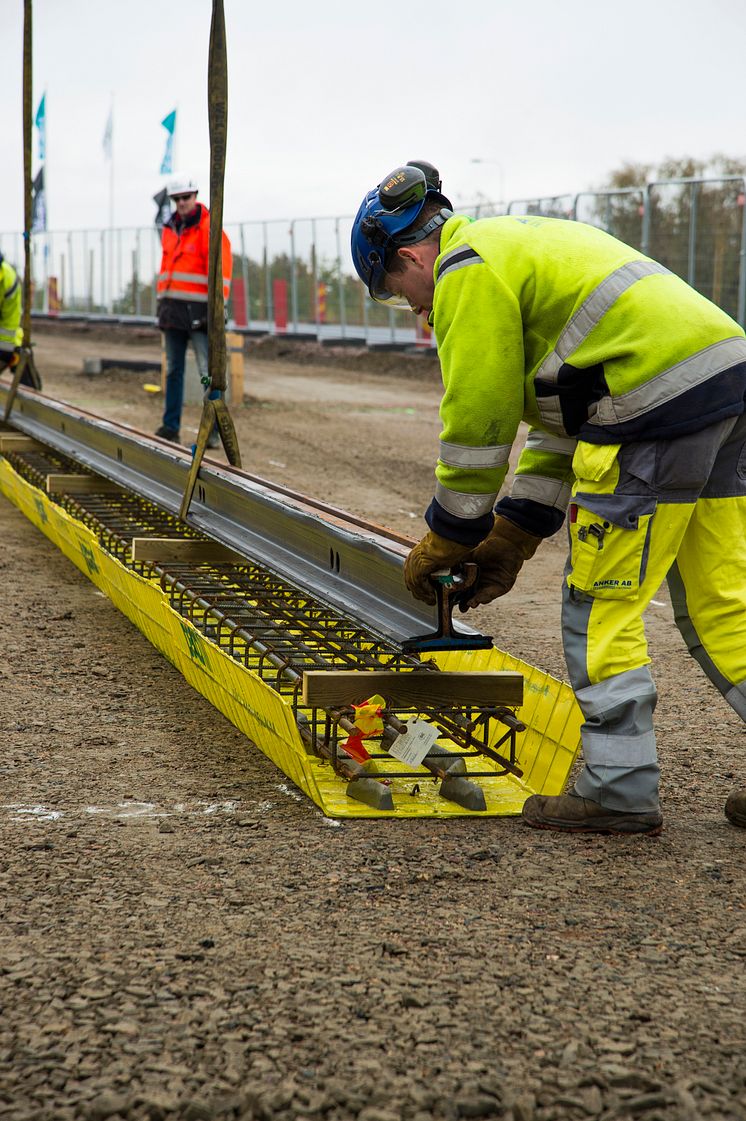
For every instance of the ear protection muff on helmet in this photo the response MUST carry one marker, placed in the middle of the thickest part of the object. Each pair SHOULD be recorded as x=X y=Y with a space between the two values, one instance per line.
x=409 y=184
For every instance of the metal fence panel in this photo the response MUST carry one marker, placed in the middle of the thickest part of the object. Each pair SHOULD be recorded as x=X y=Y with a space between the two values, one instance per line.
x=696 y=227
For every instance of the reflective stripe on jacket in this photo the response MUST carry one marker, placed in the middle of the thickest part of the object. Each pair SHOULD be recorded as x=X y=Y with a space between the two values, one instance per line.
x=11 y=331
x=561 y=325
x=184 y=264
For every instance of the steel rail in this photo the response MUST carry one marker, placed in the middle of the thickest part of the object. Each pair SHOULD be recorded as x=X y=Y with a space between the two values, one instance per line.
x=345 y=561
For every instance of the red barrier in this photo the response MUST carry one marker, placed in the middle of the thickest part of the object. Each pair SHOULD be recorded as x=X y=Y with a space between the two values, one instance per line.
x=238 y=300
x=280 y=300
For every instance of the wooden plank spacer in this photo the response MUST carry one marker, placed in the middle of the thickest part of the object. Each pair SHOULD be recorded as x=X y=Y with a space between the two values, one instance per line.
x=12 y=443
x=80 y=484
x=331 y=688
x=162 y=550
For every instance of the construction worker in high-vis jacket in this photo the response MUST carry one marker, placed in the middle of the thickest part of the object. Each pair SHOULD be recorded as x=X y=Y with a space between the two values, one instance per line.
x=633 y=386
x=182 y=296
x=11 y=331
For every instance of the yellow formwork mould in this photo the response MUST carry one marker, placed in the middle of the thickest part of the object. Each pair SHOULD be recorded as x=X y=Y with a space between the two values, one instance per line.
x=269 y=710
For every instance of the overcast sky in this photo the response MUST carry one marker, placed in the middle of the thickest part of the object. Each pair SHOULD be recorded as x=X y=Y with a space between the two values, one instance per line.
x=326 y=98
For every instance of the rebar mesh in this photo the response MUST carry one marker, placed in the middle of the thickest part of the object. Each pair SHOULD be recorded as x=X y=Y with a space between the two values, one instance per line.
x=267 y=624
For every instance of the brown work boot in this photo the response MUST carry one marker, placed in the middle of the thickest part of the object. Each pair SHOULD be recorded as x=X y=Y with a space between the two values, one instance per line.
x=735 y=808
x=572 y=814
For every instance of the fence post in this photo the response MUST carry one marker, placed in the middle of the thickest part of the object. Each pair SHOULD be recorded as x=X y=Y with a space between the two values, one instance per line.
x=342 y=316
x=70 y=297
x=742 y=258
x=293 y=279
x=135 y=283
x=103 y=271
x=366 y=313
x=245 y=274
x=267 y=279
x=646 y=220
x=315 y=281
x=691 y=264
x=46 y=272
x=136 y=255
x=118 y=278
x=155 y=241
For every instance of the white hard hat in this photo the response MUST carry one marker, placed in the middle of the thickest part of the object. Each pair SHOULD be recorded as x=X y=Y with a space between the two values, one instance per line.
x=182 y=185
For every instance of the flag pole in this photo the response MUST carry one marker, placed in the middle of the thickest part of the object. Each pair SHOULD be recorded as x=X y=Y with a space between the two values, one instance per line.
x=111 y=204
x=45 y=163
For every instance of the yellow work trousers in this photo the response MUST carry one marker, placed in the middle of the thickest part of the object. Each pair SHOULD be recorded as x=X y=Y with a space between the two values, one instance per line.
x=640 y=514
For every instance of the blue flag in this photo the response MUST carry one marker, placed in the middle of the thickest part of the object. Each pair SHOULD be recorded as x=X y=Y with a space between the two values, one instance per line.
x=41 y=123
x=169 y=123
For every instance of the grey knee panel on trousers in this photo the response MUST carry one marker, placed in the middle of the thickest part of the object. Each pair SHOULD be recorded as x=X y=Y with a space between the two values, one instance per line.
x=619 y=750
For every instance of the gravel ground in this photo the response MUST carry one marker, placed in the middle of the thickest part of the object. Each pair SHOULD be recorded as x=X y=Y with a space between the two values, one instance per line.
x=184 y=936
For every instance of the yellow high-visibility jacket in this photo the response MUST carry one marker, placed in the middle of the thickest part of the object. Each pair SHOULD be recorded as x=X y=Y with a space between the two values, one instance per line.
x=559 y=324
x=11 y=332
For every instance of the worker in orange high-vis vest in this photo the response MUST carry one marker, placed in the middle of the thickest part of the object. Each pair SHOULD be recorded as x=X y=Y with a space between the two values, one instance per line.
x=182 y=296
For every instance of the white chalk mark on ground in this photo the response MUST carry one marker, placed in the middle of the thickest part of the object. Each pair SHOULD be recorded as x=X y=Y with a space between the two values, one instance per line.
x=285 y=789
x=19 y=812
x=134 y=809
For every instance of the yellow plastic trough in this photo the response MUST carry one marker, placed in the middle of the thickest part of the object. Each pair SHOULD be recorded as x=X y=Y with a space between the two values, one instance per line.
x=545 y=753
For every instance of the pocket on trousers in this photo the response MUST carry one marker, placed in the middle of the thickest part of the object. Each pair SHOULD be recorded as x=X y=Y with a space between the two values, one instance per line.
x=607 y=561
x=594 y=461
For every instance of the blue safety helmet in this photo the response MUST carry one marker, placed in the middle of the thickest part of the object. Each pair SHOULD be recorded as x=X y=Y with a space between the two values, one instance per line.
x=387 y=219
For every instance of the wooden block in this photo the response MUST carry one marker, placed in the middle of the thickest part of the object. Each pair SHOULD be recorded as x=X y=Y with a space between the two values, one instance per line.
x=80 y=484
x=162 y=550
x=13 y=443
x=234 y=345
x=330 y=688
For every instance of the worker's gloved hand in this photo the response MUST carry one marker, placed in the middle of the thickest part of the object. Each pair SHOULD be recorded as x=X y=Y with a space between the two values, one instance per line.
x=500 y=557
x=432 y=554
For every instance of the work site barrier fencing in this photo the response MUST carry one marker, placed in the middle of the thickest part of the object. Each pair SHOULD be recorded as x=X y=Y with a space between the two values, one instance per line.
x=294 y=276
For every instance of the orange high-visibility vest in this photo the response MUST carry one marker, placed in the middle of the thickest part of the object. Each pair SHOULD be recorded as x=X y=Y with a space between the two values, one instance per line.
x=184 y=264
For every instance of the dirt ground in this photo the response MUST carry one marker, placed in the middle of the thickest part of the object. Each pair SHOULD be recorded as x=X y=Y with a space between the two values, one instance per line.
x=185 y=936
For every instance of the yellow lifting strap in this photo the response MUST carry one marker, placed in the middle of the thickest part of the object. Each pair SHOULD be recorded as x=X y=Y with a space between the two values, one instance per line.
x=214 y=408
x=26 y=357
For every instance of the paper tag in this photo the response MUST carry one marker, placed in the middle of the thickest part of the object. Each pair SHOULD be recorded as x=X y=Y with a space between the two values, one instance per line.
x=413 y=744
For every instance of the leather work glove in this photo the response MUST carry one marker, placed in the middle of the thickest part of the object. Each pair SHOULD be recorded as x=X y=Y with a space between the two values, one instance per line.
x=431 y=555
x=500 y=557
